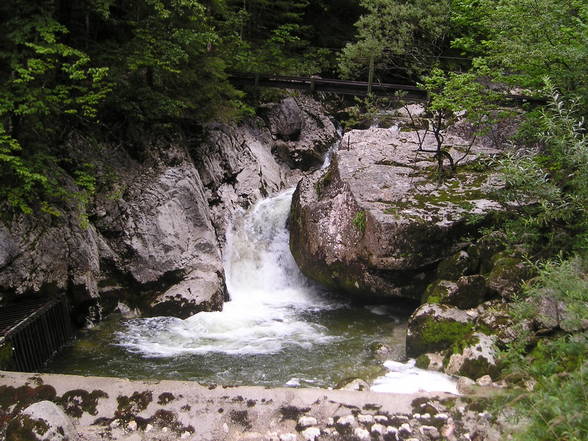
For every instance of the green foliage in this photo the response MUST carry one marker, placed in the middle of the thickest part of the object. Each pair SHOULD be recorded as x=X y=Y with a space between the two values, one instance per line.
x=557 y=406
x=551 y=189
x=364 y=112
x=469 y=25
x=48 y=86
x=405 y=37
x=533 y=38
x=359 y=221
x=133 y=66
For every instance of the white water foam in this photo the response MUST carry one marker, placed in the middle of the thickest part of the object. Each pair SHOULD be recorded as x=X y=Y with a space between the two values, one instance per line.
x=405 y=378
x=268 y=292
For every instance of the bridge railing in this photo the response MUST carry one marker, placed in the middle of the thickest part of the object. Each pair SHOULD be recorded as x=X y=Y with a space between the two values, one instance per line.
x=32 y=331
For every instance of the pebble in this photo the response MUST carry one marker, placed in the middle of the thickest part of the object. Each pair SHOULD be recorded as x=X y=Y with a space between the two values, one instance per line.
x=114 y=424
x=185 y=435
x=381 y=419
x=288 y=437
x=132 y=425
x=330 y=431
x=392 y=432
x=405 y=429
x=378 y=428
x=484 y=381
x=307 y=421
x=311 y=433
x=148 y=428
x=442 y=417
x=362 y=434
x=485 y=415
x=164 y=430
x=330 y=421
x=348 y=420
x=430 y=431
x=226 y=427
x=399 y=419
x=365 y=419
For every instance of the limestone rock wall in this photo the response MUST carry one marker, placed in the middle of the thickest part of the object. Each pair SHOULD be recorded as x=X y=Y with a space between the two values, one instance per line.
x=154 y=240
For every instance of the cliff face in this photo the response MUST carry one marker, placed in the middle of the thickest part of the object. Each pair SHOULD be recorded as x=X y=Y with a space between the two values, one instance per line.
x=155 y=242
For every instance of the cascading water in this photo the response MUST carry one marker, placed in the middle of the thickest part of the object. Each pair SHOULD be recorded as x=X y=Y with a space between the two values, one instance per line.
x=278 y=329
x=268 y=295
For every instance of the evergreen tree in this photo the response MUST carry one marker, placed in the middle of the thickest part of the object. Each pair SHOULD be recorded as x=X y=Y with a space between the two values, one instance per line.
x=404 y=37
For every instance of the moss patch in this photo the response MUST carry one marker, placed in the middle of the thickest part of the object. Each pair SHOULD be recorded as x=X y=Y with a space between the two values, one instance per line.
x=323 y=182
x=422 y=361
x=241 y=417
x=293 y=412
x=360 y=220
x=25 y=428
x=136 y=403
x=23 y=396
x=76 y=402
x=446 y=333
x=165 y=398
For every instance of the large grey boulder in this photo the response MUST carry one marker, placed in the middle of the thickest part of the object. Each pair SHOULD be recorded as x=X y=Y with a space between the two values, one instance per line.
x=476 y=359
x=301 y=130
x=162 y=238
x=377 y=221
x=153 y=236
x=42 y=421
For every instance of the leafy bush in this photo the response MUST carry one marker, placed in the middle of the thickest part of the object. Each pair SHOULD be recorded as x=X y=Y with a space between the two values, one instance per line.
x=550 y=189
x=555 y=369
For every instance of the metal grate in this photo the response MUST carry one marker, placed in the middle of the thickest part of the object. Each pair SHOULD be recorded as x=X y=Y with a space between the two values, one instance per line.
x=36 y=328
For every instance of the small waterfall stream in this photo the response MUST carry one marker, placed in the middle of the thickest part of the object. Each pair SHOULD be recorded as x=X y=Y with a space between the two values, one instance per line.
x=278 y=329
x=268 y=297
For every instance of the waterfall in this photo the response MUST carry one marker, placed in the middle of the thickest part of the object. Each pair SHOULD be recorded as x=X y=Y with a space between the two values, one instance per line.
x=278 y=325
x=268 y=293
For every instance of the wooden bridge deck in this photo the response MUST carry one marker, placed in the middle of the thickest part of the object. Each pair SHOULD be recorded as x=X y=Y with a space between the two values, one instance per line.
x=345 y=87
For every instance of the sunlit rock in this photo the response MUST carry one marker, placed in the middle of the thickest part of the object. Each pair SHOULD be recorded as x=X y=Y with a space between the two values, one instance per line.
x=378 y=221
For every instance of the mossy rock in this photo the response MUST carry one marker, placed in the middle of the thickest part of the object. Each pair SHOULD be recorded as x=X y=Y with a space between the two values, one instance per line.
x=467 y=292
x=440 y=291
x=42 y=421
x=508 y=274
x=472 y=291
x=476 y=359
x=435 y=327
x=457 y=265
x=485 y=249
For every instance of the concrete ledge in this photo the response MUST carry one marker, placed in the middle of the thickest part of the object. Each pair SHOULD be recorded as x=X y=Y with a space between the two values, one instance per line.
x=115 y=408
